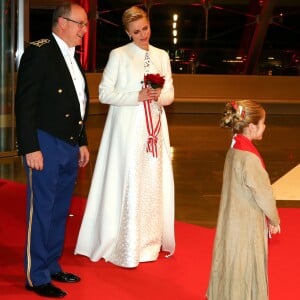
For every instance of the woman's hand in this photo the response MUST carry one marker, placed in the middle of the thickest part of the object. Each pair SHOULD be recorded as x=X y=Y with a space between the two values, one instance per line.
x=149 y=94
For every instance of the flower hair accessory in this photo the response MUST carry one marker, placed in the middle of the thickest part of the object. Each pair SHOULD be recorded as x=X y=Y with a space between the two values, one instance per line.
x=154 y=80
x=239 y=109
x=234 y=104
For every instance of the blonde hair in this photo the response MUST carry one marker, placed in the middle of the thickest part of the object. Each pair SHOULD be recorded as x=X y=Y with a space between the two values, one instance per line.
x=132 y=14
x=239 y=114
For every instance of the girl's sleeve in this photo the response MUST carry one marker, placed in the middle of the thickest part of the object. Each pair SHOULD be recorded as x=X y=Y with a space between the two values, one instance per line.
x=257 y=180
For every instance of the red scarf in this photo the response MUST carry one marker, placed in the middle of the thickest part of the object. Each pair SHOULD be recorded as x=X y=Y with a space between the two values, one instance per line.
x=243 y=143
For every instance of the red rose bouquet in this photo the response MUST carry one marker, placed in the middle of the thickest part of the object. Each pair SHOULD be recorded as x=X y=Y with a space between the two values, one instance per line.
x=154 y=80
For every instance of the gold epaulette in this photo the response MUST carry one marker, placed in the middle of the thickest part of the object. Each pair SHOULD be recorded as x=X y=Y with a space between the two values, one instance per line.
x=40 y=43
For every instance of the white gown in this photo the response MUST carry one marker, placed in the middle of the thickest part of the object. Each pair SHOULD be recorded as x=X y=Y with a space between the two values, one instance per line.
x=129 y=215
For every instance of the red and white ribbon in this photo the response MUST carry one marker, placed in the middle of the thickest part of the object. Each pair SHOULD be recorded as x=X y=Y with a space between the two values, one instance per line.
x=152 y=131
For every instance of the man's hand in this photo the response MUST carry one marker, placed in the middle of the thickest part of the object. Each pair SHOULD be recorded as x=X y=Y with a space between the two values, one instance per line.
x=35 y=160
x=84 y=156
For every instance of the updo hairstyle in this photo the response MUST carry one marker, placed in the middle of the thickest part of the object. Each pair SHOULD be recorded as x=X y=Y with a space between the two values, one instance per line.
x=132 y=14
x=239 y=114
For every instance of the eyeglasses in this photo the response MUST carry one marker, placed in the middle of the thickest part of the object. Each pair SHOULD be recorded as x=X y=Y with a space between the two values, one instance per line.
x=80 y=24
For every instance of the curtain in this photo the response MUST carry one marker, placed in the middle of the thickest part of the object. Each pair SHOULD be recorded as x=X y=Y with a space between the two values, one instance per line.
x=88 y=51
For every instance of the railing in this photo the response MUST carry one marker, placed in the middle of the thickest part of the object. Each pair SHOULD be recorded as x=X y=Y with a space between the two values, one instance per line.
x=202 y=93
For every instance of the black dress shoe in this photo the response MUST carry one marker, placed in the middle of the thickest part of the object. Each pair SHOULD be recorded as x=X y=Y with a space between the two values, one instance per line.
x=65 y=277
x=47 y=290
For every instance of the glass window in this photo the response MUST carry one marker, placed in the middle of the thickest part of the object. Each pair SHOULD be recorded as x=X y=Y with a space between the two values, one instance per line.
x=206 y=37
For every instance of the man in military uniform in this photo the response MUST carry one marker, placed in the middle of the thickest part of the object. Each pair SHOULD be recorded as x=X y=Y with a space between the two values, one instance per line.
x=51 y=108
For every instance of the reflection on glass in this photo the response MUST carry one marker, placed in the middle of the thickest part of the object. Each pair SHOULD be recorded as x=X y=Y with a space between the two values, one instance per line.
x=7 y=27
x=209 y=35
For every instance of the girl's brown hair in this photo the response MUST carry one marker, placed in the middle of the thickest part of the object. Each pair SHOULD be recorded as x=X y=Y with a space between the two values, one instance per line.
x=239 y=114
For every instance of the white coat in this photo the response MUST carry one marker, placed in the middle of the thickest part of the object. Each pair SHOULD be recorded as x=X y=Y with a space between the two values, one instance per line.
x=123 y=168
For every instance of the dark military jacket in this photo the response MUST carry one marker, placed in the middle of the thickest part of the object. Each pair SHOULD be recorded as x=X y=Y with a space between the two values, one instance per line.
x=46 y=98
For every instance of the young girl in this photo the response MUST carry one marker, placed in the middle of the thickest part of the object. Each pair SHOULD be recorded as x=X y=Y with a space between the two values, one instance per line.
x=247 y=212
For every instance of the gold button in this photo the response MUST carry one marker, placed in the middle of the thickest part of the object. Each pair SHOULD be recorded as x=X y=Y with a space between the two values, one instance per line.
x=71 y=138
x=60 y=91
x=80 y=122
x=67 y=115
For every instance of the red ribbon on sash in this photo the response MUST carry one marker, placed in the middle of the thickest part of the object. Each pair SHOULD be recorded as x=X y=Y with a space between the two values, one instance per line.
x=152 y=131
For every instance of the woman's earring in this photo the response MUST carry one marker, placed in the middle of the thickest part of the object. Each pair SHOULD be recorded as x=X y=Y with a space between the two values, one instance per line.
x=129 y=37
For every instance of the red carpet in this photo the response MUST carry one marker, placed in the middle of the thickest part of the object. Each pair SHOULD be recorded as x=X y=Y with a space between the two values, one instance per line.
x=181 y=277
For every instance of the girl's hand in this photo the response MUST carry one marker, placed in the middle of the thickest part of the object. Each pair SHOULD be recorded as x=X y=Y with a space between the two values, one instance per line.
x=273 y=229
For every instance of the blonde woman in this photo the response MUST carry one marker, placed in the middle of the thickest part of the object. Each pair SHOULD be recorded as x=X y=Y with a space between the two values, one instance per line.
x=129 y=217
